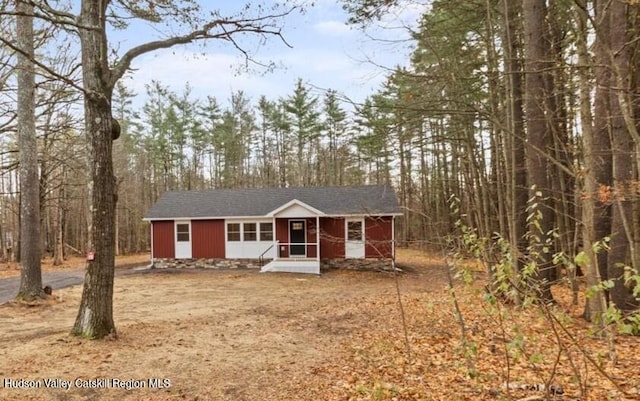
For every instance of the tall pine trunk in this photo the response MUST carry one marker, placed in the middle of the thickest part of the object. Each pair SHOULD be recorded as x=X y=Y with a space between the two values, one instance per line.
x=30 y=231
x=538 y=140
x=515 y=141
x=595 y=304
x=601 y=145
x=622 y=243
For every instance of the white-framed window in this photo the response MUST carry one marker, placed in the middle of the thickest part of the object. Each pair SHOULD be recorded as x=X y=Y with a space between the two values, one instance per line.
x=247 y=238
x=182 y=232
x=250 y=231
x=233 y=232
x=354 y=230
x=266 y=231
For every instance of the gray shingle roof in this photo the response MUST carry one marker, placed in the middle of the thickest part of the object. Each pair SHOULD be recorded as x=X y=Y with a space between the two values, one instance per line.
x=365 y=199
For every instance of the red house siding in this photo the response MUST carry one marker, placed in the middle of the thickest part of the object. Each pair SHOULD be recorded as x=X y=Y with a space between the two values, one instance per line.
x=282 y=235
x=163 y=239
x=332 y=238
x=311 y=238
x=378 y=236
x=207 y=239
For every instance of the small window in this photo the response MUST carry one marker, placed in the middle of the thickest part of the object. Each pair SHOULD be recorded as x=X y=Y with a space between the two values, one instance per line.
x=354 y=231
x=266 y=231
x=233 y=232
x=182 y=232
x=250 y=232
x=297 y=226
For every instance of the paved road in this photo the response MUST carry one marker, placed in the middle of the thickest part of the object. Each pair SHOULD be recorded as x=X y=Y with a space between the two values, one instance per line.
x=57 y=280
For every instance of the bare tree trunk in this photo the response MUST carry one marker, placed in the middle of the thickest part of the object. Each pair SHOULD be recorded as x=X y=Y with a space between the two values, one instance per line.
x=30 y=244
x=4 y=222
x=95 y=316
x=562 y=183
x=596 y=304
x=601 y=146
x=58 y=248
x=538 y=138
x=621 y=246
x=515 y=141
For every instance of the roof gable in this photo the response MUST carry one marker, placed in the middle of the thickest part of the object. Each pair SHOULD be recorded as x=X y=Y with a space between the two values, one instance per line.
x=295 y=208
x=265 y=202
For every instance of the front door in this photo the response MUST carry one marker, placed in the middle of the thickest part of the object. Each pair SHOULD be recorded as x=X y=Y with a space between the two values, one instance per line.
x=183 y=240
x=297 y=235
x=354 y=244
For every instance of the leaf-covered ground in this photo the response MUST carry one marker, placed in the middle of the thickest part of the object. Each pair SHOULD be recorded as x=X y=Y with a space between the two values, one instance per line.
x=12 y=269
x=240 y=335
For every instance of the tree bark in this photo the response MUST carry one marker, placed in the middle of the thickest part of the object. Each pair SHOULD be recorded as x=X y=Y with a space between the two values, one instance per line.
x=596 y=304
x=622 y=244
x=515 y=141
x=30 y=231
x=95 y=316
x=538 y=139
x=601 y=149
x=58 y=248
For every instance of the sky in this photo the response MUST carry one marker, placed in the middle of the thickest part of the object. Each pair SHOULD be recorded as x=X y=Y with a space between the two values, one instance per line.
x=325 y=52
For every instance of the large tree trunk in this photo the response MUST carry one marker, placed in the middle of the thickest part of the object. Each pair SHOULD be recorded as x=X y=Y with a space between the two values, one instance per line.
x=515 y=142
x=95 y=316
x=601 y=149
x=538 y=139
x=30 y=241
x=596 y=304
x=58 y=218
x=622 y=159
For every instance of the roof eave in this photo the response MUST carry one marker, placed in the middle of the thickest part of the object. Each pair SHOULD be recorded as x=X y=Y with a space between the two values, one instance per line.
x=267 y=216
x=297 y=202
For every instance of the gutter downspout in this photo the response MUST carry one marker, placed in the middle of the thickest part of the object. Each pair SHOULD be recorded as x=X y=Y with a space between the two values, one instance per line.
x=393 y=242
x=151 y=265
x=318 y=241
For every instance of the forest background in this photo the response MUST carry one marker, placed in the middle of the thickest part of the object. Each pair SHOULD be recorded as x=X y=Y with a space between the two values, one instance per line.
x=525 y=112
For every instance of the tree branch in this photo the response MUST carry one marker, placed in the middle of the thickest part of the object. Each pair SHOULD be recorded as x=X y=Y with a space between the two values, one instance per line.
x=56 y=17
x=50 y=71
x=228 y=28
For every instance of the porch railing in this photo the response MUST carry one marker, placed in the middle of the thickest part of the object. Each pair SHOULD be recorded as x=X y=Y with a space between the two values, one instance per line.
x=261 y=257
x=290 y=244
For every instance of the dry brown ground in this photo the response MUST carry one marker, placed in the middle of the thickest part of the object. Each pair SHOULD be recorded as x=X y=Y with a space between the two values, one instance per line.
x=241 y=335
x=12 y=269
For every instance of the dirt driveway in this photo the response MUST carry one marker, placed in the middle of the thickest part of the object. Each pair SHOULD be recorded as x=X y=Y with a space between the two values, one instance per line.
x=205 y=335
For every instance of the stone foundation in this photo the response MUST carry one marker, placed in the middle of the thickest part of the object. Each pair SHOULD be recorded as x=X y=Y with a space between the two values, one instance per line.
x=225 y=264
x=358 y=264
x=161 y=263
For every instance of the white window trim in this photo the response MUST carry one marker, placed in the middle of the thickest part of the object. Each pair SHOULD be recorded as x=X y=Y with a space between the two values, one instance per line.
x=181 y=222
x=346 y=229
x=259 y=232
x=256 y=232
x=226 y=231
x=248 y=249
x=182 y=249
x=258 y=224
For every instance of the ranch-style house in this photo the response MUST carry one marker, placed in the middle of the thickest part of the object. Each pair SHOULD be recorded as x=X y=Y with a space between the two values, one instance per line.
x=278 y=229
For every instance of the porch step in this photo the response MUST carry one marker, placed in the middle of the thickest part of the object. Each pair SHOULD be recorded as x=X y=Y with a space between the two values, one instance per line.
x=292 y=265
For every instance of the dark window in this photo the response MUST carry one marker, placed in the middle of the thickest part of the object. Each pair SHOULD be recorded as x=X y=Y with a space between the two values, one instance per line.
x=233 y=232
x=182 y=232
x=354 y=231
x=266 y=231
x=250 y=232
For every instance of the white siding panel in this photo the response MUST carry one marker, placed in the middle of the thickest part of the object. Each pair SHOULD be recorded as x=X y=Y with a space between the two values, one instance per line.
x=249 y=250
x=296 y=211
